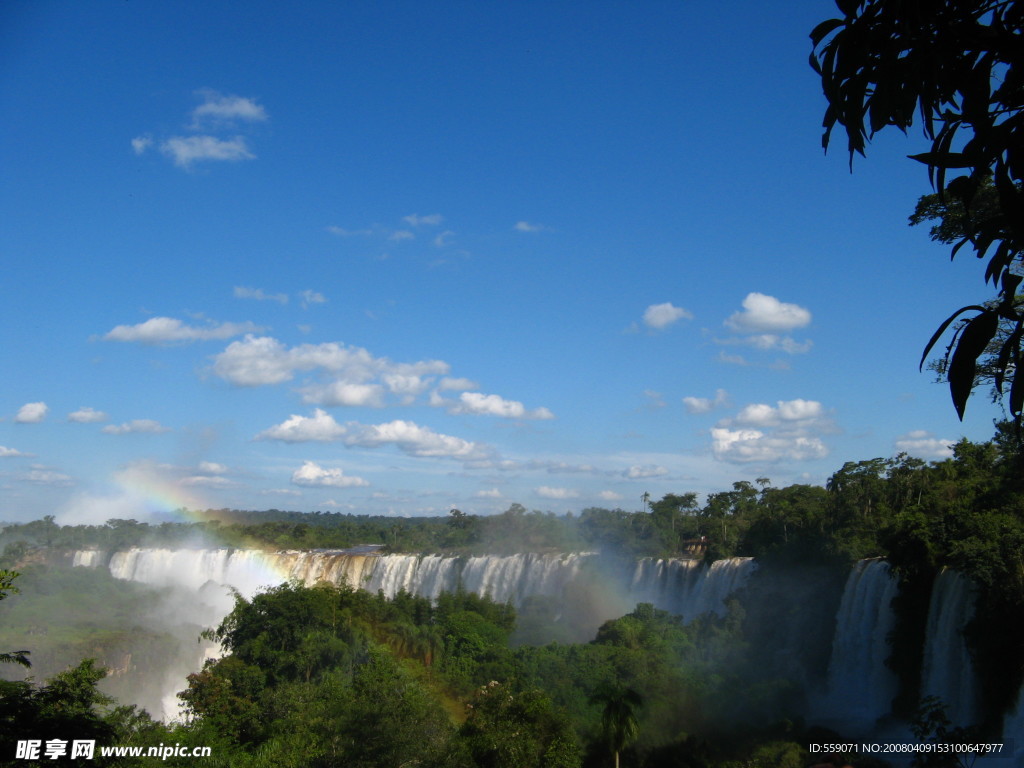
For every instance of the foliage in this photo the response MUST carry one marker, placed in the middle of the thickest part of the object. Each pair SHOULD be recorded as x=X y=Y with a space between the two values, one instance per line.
x=957 y=64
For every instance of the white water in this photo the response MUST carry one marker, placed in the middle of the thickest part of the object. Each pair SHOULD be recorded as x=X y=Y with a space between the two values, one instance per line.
x=948 y=671
x=681 y=586
x=689 y=587
x=860 y=686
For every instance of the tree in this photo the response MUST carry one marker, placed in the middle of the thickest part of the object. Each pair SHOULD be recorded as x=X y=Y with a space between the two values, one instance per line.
x=7 y=585
x=953 y=221
x=619 y=726
x=956 y=63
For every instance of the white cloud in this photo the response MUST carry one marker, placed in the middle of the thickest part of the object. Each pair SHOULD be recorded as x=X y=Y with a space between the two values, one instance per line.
x=415 y=220
x=218 y=109
x=660 y=316
x=638 y=472
x=609 y=496
x=244 y=292
x=525 y=226
x=924 y=445
x=44 y=476
x=344 y=393
x=494 y=405
x=263 y=360
x=407 y=386
x=9 y=453
x=311 y=297
x=764 y=415
x=141 y=143
x=312 y=474
x=207 y=481
x=790 y=429
x=492 y=493
x=401 y=234
x=136 y=426
x=745 y=445
x=444 y=238
x=407 y=436
x=186 y=150
x=547 y=492
x=450 y=383
x=166 y=330
x=704 y=404
x=320 y=427
x=212 y=468
x=766 y=314
x=414 y=440
x=771 y=341
x=87 y=416
x=342 y=232
x=31 y=413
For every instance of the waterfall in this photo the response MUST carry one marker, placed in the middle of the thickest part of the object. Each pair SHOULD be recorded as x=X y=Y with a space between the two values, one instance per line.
x=689 y=587
x=860 y=686
x=948 y=672
x=686 y=587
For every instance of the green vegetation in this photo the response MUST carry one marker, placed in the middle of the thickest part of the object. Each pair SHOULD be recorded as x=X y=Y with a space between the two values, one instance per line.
x=328 y=675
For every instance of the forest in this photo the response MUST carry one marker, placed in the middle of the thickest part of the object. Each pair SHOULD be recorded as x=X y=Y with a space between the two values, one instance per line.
x=327 y=675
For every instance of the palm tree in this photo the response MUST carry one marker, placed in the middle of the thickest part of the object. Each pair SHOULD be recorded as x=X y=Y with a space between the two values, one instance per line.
x=619 y=725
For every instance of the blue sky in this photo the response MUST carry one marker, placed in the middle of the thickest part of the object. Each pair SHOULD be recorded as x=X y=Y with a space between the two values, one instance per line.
x=397 y=257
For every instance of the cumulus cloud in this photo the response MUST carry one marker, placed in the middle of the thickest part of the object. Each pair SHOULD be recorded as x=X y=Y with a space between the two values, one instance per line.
x=320 y=427
x=547 y=492
x=312 y=474
x=136 y=426
x=10 y=453
x=212 y=468
x=186 y=150
x=491 y=493
x=791 y=429
x=263 y=360
x=407 y=436
x=609 y=496
x=401 y=234
x=31 y=413
x=87 y=416
x=494 y=405
x=660 y=316
x=924 y=445
x=414 y=440
x=766 y=314
x=705 y=404
x=745 y=445
x=219 y=109
x=344 y=393
x=245 y=292
x=168 y=330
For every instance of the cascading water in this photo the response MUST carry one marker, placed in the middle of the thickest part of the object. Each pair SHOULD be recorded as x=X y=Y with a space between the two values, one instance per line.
x=687 y=587
x=690 y=587
x=860 y=686
x=948 y=671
